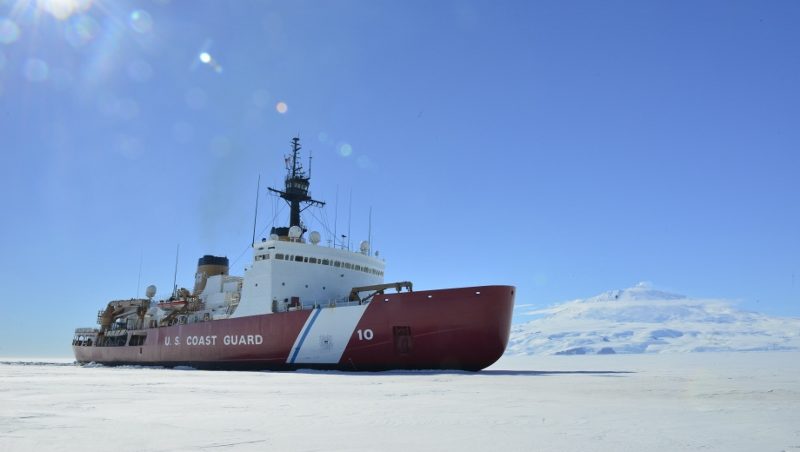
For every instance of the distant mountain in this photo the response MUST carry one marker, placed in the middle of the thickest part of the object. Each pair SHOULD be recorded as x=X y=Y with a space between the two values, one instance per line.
x=643 y=320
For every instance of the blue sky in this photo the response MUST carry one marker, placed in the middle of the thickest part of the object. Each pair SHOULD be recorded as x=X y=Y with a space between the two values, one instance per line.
x=567 y=148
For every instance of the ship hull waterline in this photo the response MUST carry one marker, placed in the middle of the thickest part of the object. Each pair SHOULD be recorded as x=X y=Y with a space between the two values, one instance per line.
x=458 y=329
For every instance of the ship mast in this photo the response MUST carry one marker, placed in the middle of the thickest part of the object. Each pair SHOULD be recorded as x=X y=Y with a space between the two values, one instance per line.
x=295 y=192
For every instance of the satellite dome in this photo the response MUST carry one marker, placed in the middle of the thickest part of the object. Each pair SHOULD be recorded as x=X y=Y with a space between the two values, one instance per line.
x=314 y=237
x=273 y=237
x=295 y=232
x=150 y=292
x=364 y=246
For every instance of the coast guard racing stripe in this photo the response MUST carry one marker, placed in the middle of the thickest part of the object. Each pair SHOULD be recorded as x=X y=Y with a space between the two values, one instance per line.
x=325 y=335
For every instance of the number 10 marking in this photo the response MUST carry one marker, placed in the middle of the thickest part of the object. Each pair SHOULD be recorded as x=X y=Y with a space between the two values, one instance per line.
x=365 y=335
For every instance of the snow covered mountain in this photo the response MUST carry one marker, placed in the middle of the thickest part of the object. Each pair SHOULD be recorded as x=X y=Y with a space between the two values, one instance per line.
x=643 y=320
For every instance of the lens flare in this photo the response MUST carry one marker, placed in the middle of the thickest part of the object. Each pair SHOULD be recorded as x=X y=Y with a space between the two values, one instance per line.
x=281 y=107
x=345 y=150
x=208 y=60
x=140 y=21
x=36 y=70
x=81 y=30
x=9 y=31
x=63 y=9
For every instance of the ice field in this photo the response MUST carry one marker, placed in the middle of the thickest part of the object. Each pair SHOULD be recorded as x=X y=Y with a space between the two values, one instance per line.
x=699 y=401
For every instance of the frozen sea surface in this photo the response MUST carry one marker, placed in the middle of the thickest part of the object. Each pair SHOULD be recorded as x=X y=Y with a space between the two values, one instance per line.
x=703 y=401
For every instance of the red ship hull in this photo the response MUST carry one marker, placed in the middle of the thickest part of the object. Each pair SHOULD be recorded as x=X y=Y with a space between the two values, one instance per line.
x=464 y=328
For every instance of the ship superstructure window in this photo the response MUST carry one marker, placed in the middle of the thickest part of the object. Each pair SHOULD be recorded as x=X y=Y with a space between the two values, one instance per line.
x=321 y=261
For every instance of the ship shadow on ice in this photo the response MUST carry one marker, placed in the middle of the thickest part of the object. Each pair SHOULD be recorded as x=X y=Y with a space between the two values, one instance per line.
x=544 y=373
x=513 y=373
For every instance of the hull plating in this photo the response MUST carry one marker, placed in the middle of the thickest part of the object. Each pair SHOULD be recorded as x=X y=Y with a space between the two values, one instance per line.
x=465 y=328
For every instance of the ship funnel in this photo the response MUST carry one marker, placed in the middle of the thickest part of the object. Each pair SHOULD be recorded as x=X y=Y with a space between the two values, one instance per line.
x=208 y=266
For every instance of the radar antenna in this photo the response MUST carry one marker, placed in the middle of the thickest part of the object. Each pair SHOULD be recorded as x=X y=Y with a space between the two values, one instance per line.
x=295 y=192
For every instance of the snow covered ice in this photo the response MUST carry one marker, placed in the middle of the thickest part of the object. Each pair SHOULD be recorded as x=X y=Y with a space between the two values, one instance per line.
x=698 y=401
x=643 y=320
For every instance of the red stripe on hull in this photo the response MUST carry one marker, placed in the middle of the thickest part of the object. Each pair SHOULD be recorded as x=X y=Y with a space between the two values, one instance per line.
x=465 y=328
x=278 y=332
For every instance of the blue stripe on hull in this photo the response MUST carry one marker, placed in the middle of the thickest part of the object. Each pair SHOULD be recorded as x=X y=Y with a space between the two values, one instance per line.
x=305 y=333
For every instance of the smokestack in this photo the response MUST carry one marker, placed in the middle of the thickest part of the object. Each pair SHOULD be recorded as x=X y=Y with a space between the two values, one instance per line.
x=208 y=266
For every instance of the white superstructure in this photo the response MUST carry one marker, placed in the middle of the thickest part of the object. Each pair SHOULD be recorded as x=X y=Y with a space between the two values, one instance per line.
x=287 y=275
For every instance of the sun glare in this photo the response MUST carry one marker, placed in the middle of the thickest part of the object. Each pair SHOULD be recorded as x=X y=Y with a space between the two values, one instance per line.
x=63 y=9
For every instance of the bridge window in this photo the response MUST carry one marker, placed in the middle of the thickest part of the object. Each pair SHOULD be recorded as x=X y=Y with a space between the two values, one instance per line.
x=312 y=260
x=298 y=258
x=337 y=264
x=279 y=256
